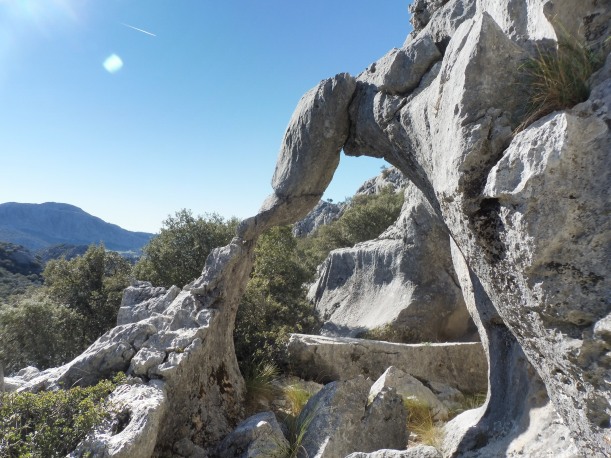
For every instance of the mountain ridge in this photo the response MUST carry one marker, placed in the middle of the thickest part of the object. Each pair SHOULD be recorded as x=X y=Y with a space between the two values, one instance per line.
x=37 y=226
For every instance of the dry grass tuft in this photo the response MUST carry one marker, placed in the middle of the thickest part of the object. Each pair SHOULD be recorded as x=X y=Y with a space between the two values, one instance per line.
x=420 y=422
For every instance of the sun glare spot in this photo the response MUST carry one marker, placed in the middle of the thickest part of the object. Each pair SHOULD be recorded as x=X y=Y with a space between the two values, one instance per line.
x=113 y=63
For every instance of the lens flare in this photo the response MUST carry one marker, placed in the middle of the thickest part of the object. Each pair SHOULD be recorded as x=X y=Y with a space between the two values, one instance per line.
x=113 y=63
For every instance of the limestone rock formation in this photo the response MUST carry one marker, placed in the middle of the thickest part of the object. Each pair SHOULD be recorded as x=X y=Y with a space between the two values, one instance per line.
x=258 y=436
x=460 y=365
x=341 y=420
x=526 y=215
x=419 y=451
x=410 y=388
x=324 y=213
x=389 y=177
x=407 y=273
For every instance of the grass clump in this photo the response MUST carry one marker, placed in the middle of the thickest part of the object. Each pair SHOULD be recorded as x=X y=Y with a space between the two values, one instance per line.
x=260 y=384
x=296 y=397
x=420 y=422
x=558 y=79
x=51 y=424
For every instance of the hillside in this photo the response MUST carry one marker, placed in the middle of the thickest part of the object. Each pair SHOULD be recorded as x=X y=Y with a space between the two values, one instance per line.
x=37 y=226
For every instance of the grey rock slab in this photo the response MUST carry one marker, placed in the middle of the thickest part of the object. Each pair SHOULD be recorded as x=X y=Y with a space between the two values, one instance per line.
x=407 y=273
x=409 y=388
x=401 y=70
x=340 y=421
x=137 y=411
x=308 y=156
x=259 y=436
x=461 y=365
x=419 y=451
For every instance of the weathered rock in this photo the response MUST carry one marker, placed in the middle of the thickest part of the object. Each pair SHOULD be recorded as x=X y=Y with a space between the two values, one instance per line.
x=410 y=388
x=258 y=436
x=449 y=396
x=419 y=451
x=389 y=177
x=340 y=420
x=138 y=412
x=141 y=300
x=461 y=365
x=401 y=70
x=407 y=273
x=309 y=155
x=324 y=213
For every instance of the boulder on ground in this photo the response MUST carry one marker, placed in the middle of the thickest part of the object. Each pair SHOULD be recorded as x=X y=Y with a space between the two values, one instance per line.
x=409 y=388
x=339 y=420
x=258 y=436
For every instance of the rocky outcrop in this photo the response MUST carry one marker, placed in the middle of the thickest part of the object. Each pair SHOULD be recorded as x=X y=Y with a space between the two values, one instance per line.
x=340 y=420
x=324 y=213
x=389 y=177
x=407 y=273
x=180 y=343
x=258 y=436
x=526 y=213
x=419 y=451
x=410 y=388
x=461 y=365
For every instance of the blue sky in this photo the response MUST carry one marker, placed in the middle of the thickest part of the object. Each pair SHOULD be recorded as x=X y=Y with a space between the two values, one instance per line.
x=193 y=118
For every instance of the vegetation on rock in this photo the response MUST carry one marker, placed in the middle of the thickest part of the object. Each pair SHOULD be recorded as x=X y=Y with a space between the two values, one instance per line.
x=366 y=217
x=559 y=78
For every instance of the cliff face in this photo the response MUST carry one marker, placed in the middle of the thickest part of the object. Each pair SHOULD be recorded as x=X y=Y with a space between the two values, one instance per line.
x=525 y=215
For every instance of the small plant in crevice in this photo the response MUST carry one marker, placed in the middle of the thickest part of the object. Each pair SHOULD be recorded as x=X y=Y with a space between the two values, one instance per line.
x=557 y=79
x=420 y=423
x=297 y=427
x=260 y=385
x=296 y=397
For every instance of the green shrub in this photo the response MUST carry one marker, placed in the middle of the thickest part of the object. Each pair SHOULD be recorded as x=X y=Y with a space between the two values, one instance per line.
x=92 y=285
x=177 y=254
x=260 y=385
x=274 y=304
x=37 y=331
x=51 y=424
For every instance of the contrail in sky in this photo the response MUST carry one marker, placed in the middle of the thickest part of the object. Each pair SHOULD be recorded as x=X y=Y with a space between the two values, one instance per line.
x=139 y=30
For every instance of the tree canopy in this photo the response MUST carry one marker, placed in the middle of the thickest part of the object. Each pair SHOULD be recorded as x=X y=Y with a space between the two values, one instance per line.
x=177 y=254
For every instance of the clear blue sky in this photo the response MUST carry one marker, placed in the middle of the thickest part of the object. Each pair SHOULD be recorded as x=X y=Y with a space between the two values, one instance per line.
x=194 y=117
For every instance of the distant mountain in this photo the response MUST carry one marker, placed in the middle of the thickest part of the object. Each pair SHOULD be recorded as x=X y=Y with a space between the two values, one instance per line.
x=38 y=226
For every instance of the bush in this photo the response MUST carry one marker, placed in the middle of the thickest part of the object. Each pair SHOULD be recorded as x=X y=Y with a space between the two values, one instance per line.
x=36 y=331
x=51 y=424
x=274 y=304
x=92 y=285
x=177 y=255
x=558 y=79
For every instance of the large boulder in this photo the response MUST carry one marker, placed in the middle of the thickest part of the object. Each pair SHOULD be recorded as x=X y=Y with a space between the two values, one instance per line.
x=258 y=436
x=410 y=388
x=406 y=272
x=460 y=365
x=339 y=420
